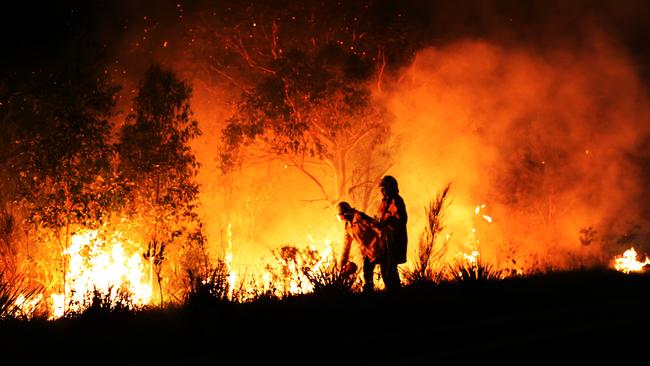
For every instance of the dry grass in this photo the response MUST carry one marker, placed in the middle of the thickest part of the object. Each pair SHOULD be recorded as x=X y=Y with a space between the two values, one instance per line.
x=210 y=287
x=15 y=294
x=428 y=254
x=465 y=272
x=331 y=279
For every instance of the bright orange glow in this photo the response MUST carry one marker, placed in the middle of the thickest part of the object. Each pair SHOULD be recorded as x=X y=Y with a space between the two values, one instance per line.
x=471 y=258
x=513 y=129
x=628 y=263
x=95 y=264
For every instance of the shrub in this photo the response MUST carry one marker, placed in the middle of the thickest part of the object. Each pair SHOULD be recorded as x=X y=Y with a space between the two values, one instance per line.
x=331 y=279
x=17 y=299
x=471 y=272
x=210 y=287
x=427 y=253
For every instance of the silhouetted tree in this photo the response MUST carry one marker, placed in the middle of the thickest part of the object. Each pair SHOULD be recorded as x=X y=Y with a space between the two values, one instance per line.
x=59 y=149
x=236 y=42
x=157 y=162
x=317 y=115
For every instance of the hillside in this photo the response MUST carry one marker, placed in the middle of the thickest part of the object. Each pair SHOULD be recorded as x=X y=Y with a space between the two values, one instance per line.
x=577 y=315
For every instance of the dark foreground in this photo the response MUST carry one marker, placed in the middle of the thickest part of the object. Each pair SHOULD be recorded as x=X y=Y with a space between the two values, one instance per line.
x=572 y=316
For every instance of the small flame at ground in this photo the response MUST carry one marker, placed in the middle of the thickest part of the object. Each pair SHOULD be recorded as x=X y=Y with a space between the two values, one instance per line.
x=628 y=263
x=471 y=258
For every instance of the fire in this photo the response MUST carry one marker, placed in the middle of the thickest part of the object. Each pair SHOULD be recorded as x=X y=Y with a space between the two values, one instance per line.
x=471 y=258
x=628 y=263
x=232 y=275
x=28 y=305
x=485 y=217
x=96 y=265
x=293 y=266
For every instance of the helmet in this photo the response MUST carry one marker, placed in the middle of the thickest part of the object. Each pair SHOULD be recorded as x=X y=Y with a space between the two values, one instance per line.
x=344 y=208
x=389 y=183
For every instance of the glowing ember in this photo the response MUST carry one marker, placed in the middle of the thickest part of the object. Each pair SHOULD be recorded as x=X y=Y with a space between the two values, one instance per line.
x=628 y=263
x=471 y=258
x=477 y=211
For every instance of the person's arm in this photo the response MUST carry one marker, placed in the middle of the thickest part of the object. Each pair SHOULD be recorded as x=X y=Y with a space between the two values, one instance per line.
x=402 y=216
x=347 y=243
x=397 y=216
x=368 y=219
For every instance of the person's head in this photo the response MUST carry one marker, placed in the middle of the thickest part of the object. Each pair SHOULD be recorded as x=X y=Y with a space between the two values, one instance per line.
x=345 y=211
x=388 y=186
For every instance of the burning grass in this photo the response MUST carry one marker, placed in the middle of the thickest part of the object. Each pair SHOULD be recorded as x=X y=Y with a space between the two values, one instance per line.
x=17 y=299
x=579 y=308
x=107 y=274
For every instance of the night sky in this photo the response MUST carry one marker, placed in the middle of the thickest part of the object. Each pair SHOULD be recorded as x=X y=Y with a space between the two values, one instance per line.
x=34 y=32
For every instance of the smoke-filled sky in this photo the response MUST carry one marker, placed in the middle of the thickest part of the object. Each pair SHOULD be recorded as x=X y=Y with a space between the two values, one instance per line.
x=537 y=109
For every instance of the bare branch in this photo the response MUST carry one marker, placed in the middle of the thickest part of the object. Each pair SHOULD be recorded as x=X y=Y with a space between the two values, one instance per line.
x=312 y=177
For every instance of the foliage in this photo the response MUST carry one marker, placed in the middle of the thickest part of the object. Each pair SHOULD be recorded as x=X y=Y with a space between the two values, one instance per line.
x=210 y=287
x=155 y=255
x=17 y=299
x=315 y=114
x=159 y=167
x=285 y=270
x=99 y=304
x=302 y=270
x=155 y=156
x=57 y=155
x=474 y=272
x=235 y=43
x=427 y=253
x=61 y=151
x=331 y=279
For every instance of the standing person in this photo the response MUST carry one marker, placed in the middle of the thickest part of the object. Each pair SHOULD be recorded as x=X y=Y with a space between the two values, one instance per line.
x=364 y=230
x=392 y=219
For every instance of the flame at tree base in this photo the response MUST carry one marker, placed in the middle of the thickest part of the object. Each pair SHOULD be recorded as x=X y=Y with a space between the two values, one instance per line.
x=102 y=267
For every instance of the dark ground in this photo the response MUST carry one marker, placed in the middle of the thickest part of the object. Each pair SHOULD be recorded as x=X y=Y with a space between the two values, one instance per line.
x=580 y=316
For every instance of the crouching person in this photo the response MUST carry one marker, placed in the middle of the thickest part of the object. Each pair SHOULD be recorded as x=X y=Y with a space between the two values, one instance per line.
x=363 y=229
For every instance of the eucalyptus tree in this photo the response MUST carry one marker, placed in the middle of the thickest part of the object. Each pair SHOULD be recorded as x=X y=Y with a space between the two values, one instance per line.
x=159 y=166
x=316 y=114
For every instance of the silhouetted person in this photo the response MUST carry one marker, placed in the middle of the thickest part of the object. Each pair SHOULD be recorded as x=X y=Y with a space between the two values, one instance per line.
x=364 y=230
x=392 y=219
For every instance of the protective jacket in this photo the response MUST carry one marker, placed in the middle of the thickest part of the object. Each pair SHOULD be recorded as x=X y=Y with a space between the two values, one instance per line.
x=363 y=229
x=392 y=219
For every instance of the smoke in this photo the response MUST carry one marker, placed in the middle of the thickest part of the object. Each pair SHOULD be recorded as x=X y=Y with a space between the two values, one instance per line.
x=542 y=138
x=535 y=109
x=542 y=129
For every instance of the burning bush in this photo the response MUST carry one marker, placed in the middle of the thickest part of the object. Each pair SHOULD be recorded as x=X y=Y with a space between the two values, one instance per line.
x=17 y=299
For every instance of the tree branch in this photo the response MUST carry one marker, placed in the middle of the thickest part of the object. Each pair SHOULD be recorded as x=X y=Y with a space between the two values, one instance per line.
x=312 y=177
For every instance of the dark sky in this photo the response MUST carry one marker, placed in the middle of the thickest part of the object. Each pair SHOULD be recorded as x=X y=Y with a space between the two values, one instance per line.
x=33 y=31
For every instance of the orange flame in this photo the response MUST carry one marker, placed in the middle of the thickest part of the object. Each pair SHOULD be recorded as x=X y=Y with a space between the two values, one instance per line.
x=95 y=265
x=628 y=263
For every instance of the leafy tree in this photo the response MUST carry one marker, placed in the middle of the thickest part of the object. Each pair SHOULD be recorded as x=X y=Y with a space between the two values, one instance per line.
x=236 y=42
x=59 y=153
x=317 y=115
x=157 y=163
